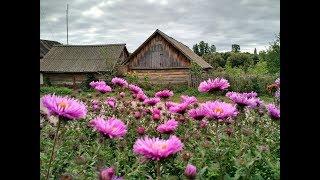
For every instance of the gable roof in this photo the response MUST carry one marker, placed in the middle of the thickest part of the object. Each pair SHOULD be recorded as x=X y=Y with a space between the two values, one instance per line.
x=81 y=58
x=185 y=50
x=46 y=45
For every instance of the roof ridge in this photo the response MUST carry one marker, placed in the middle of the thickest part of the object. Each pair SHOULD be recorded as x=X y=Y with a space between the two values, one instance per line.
x=88 y=45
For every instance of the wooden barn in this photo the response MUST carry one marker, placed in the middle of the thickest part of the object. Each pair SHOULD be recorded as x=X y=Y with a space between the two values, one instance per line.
x=69 y=64
x=164 y=60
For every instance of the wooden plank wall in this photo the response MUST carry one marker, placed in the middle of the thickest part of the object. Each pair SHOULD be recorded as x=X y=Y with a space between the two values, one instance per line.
x=165 y=76
x=67 y=78
x=158 y=54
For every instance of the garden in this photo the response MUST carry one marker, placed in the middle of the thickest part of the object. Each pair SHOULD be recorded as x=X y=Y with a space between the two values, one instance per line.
x=121 y=130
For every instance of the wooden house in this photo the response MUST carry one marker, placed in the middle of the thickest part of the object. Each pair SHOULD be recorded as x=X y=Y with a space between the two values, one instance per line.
x=164 y=60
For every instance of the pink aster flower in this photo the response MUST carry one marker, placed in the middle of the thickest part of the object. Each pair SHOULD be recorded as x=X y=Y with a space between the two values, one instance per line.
x=111 y=102
x=157 y=149
x=198 y=113
x=103 y=88
x=164 y=94
x=179 y=108
x=108 y=174
x=141 y=96
x=135 y=89
x=68 y=108
x=93 y=84
x=119 y=81
x=190 y=171
x=114 y=128
x=188 y=99
x=210 y=85
x=151 y=101
x=169 y=104
x=243 y=99
x=218 y=110
x=273 y=111
x=168 y=127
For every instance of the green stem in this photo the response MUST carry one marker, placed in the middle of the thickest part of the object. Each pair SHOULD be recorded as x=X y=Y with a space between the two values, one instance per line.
x=217 y=135
x=158 y=170
x=53 y=148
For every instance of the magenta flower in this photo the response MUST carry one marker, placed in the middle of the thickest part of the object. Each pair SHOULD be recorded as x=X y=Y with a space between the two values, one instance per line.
x=111 y=102
x=68 y=108
x=96 y=107
x=141 y=130
x=210 y=85
x=168 y=127
x=135 y=89
x=141 y=96
x=151 y=101
x=169 y=104
x=108 y=174
x=103 y=88
x=164 y=94
x=157 y=149
x=243 y=99
x=179 y=108
x=198 y=113
x=114 y=128
x=188 y=99
x=137 y=115
x=156 y=117
x=218 y=110
x=119 y=81
x=273 y=111
x=190 y=171
x=93 y=84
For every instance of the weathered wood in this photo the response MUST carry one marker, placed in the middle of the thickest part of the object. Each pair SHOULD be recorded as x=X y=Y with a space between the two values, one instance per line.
x=68 y=78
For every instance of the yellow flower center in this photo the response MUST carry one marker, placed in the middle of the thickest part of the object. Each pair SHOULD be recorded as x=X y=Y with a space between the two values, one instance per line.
x=63 y=105
x=218 y=110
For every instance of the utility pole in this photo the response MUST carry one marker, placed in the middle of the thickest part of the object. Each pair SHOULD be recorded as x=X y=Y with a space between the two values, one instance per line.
x=67 y=21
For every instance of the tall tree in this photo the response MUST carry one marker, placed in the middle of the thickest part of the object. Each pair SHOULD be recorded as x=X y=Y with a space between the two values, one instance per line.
x=202 y=46
x=213 y=48
x=196 y=49
x=255 y=56
x=235 y=47
x=273 y=56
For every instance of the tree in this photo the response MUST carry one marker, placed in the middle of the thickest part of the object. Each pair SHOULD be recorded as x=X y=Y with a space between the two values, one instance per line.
x=235 y=48
x=255 y=56
x=213 y=48
x=272 y=56
x=215 y=60
x=196 y=49
x=242 y=60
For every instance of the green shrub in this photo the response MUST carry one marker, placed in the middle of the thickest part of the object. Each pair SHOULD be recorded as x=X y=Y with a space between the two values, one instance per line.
x=85 y=84
x=47 y=81
x=55 y=90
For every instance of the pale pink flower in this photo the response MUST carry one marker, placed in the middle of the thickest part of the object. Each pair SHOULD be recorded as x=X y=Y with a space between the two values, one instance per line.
x=103 y=88
x=113 y=128
x=190 y=171
x=210 y=85
x=164 y=94
x=218 y=110
x=119 y=81
x=65 y=107
x=157 y=149
x=168 y=127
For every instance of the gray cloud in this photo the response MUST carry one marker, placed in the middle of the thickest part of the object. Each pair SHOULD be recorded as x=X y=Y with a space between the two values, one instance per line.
x=250 y=23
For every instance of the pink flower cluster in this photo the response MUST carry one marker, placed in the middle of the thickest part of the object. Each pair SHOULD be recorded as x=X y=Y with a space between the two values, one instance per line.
x=112 y=127
x=108 y=174
x=151 y=101
x=65 y=107
x=119 y=81
x=111 y=102
x=168 y=127
x=164 y=94
x=156 y=114
x=273 y=111
x=210 y=85
x=157 y=149
x=244 y=99
x=181 y=107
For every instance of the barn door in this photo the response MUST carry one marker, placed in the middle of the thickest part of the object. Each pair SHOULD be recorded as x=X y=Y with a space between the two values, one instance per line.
x=156 y=56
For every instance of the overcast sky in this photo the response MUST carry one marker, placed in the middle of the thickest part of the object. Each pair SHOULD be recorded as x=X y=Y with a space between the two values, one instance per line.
x=249 y=23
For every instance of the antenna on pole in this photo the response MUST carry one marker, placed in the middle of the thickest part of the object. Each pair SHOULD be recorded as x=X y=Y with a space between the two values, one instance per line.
x=67 y=11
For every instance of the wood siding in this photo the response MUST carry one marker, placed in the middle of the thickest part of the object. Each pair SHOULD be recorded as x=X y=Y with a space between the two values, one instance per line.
x=164 y=76
x=67 y=78
x=159 y=54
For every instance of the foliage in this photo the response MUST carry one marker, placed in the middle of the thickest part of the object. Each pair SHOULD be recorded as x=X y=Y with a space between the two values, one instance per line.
x=203 y=48
x=47 y=81
x=235 y=47
x=242 y=60
x=272 y=56
x=196 y=70
x=215 y=60
x=260 y=68
x=85 y=84
x=55 y=90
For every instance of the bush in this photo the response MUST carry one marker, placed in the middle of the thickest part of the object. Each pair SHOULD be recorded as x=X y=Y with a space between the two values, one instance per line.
x=55 y=90
x=85 y=84
x=246 y=82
